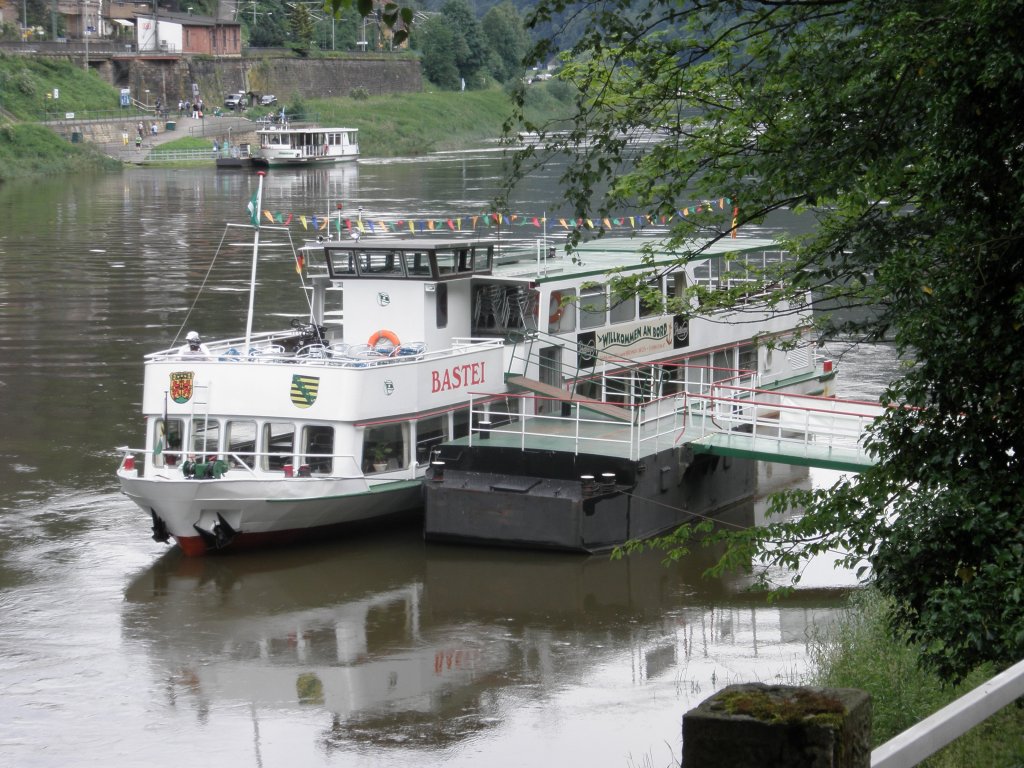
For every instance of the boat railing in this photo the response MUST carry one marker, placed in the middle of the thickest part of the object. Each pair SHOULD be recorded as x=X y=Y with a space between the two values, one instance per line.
x=637 y=430
x=343 y=466
x=268 y=348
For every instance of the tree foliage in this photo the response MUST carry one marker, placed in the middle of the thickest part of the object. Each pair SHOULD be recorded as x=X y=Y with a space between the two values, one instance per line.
x=440 y=48
x=300 y=22
x=453 y=46
x=395 y=17
x=892 y=125
x=507 y=41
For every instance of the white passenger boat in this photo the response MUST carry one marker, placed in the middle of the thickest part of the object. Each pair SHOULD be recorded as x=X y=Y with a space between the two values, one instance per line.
x=332 y=420
x=308 y=145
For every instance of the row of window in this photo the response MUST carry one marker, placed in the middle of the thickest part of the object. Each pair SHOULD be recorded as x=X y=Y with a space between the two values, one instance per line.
x=597 y=305
x=692 y=374
x=273 y=445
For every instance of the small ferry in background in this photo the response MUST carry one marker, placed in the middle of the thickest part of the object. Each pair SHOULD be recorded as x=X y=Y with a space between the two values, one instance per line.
x=412 y=347
x=287 y=145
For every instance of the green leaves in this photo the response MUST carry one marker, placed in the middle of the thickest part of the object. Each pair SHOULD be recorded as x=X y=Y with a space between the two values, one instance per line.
x=887 y=125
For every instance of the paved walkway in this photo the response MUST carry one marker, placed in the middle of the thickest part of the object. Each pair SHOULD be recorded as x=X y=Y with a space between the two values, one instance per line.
x=220 y=128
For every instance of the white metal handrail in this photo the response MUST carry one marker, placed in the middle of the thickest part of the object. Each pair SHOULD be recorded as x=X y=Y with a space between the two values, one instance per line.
x=951 y=722
x=786 y=419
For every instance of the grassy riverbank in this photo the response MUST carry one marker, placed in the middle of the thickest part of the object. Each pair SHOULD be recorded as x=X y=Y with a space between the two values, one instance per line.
x=27 y=88
x=860 y=653
x=410 y=124
x=28 y=150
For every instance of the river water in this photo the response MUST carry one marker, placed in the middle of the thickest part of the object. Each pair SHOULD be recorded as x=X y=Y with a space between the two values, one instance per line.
x=115 y=650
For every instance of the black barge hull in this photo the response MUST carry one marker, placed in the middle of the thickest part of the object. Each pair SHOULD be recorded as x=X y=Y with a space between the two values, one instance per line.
x=502 y=496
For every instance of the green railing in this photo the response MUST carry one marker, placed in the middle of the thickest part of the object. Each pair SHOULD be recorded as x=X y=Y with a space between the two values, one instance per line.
x=180 y=155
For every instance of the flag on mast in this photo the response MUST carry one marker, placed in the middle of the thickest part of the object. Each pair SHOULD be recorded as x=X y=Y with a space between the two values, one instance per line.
x=254 y=209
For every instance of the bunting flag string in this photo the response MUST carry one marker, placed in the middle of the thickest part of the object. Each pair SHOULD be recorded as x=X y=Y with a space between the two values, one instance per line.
x=474 y=222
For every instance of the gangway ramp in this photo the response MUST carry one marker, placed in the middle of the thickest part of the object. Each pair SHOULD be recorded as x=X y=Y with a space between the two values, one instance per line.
x=805 y=430
x=725 y=420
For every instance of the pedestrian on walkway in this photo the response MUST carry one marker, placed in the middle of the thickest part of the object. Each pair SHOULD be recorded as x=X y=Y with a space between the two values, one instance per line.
x=138 y=141
x=124 y=137
x=140 y=129
x=181 y=107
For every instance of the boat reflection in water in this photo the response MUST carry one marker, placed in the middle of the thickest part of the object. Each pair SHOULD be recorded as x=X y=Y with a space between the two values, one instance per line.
x=390 y=642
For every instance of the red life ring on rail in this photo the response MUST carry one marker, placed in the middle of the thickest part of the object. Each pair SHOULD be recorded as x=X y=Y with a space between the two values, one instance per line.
x=555 y=308
x=384 y=333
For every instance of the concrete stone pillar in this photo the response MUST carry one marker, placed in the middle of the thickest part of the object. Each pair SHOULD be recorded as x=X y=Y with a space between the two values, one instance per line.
x=777 y=726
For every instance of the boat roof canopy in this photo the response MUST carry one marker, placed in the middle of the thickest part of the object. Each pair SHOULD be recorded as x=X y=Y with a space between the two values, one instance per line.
x=409 y=259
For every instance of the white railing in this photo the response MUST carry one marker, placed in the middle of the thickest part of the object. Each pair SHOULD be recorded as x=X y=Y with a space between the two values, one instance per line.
x=246 y=464
x=268 y=348
x=802 y=420
x=951 y=722
x=743 y=413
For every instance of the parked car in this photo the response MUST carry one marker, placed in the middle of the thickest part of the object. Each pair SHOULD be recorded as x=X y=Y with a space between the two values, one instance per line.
x=235 y=100
x=268 y=99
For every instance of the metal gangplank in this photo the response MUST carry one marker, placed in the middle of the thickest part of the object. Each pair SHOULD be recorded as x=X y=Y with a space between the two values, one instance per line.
x=721 y=419
x=806 y=430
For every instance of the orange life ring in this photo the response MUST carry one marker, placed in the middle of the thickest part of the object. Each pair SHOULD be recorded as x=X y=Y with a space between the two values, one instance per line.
x=384 y=333
x=556 y=308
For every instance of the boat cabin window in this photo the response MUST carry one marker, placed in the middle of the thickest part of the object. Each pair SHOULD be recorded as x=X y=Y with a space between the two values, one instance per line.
x=677 y=285
x=721 y=362
x=696 y=374
x=167 y=437
x=384 y=447
x=429 y=433
x=748 y=358
x=278 y=445
x=318 y=448
x=592 y=306
x=654 y=302
x=562 y=311
x=441 y=306
x=460 y=423
x=240 y=443
x=623 y=308
x=205 y=438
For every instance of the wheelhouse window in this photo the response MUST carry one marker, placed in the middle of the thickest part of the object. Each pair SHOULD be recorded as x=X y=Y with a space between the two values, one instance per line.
x=417 y=263
x=278 y=445
x=167 y=442
x=318 y=448
x=240 y=443
x=382 y=263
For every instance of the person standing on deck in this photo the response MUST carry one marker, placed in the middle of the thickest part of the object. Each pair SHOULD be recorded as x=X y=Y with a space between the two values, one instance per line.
x=193 y=346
